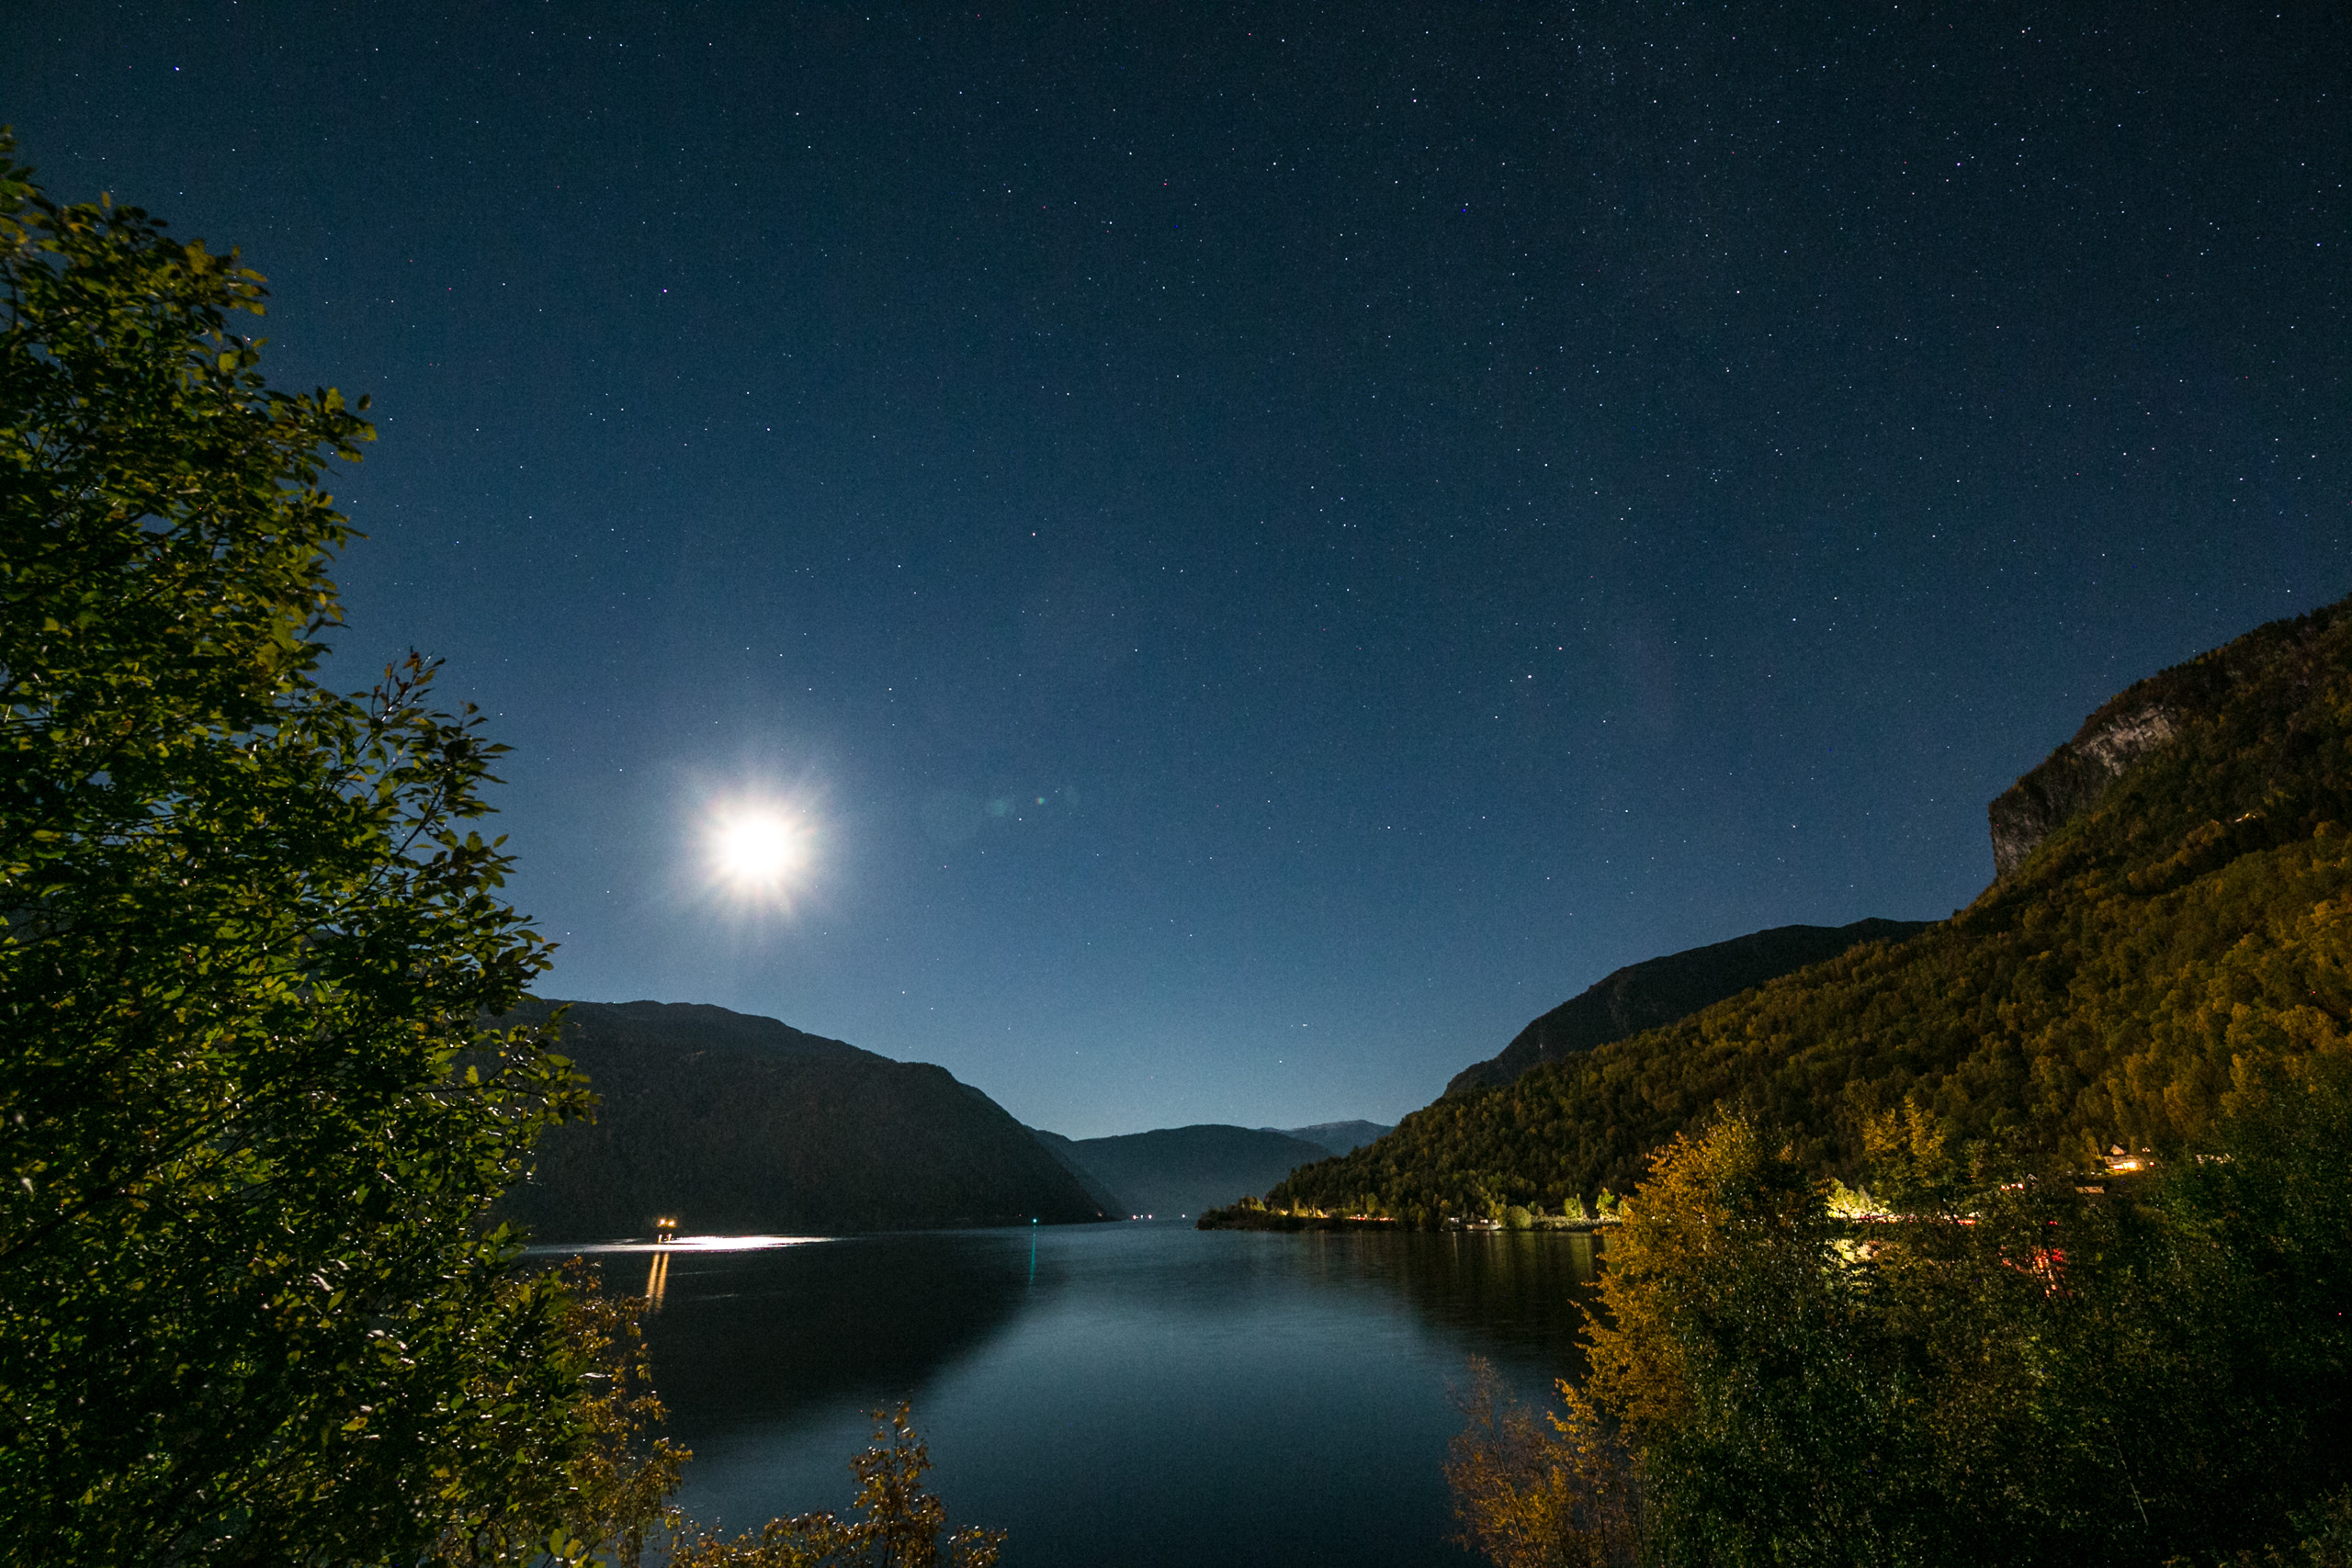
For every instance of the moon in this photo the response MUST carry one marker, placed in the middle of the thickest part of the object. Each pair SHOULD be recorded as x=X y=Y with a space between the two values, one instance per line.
x=758 y=851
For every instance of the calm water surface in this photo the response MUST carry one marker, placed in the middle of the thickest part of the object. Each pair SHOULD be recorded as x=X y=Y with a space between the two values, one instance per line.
x=1118 y=1397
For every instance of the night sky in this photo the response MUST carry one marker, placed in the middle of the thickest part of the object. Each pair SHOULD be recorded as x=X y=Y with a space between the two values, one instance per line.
x=1267 y=546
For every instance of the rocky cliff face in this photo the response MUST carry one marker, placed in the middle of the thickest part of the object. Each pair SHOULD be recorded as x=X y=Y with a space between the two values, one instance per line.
x=2070 y=781
x=2285 y=657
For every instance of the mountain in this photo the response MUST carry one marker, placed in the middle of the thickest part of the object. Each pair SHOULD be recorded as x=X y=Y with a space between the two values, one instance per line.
x=1183 y=1170
x=1336 y=1137
x=730 y=1122
x=2172 y=912
x=1066 y=1154
x=1659 y=990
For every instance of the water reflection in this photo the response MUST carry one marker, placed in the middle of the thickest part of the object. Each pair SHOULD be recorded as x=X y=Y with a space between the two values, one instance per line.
x=657 y=1281
x=761 y=1336
x=1135 y=1393
x=1514 y=1294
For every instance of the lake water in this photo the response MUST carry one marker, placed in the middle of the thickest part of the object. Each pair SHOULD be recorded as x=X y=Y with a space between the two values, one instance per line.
x=1118 y=1396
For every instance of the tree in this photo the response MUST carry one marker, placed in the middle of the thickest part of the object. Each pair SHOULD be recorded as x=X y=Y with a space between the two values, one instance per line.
x=614 y=1494
x=2011 y=1368
x=898 y=1523
x=249 y=1309
x=1548 y=1491
x=1737 y=1348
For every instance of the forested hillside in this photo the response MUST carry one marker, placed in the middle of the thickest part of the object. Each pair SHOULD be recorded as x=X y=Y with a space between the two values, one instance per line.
x=2190 y=916
x=1657 y=991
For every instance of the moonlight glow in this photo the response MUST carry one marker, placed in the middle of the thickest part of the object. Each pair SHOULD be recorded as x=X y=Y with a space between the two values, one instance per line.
x=757 y=851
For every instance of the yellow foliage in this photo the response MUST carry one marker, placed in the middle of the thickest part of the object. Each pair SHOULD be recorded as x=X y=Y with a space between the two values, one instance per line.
x=899 y=1524
x=1549 y=1492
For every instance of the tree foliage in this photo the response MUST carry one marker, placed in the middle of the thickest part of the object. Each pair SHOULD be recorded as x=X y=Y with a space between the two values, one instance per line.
x=899 y=1524
x=610 y=1493
x=1540 y=1489
x=248 y=1309
x=1736 y=1348
x=2027 y=1371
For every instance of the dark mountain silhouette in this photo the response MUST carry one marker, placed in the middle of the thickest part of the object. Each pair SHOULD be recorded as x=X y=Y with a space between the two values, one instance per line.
x=1066 y=1153
x=1659 y=990
x=730 y=1122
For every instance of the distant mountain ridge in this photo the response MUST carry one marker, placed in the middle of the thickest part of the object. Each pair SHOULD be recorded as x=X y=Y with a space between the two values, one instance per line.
x=733 y=1123
x=1659 y=990
x=1172 y=1171
x=1339 y=1137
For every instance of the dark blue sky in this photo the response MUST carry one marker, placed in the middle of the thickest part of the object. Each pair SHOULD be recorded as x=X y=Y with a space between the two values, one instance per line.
x=1277 y=543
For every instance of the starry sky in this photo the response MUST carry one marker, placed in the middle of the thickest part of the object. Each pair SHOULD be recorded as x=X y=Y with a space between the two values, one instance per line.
x=1267 y=544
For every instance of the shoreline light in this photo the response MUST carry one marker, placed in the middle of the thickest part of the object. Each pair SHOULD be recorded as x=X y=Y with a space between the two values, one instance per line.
x=677 y=1243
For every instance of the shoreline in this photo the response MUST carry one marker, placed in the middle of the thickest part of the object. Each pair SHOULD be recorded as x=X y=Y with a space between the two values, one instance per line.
x=1238 y=1217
